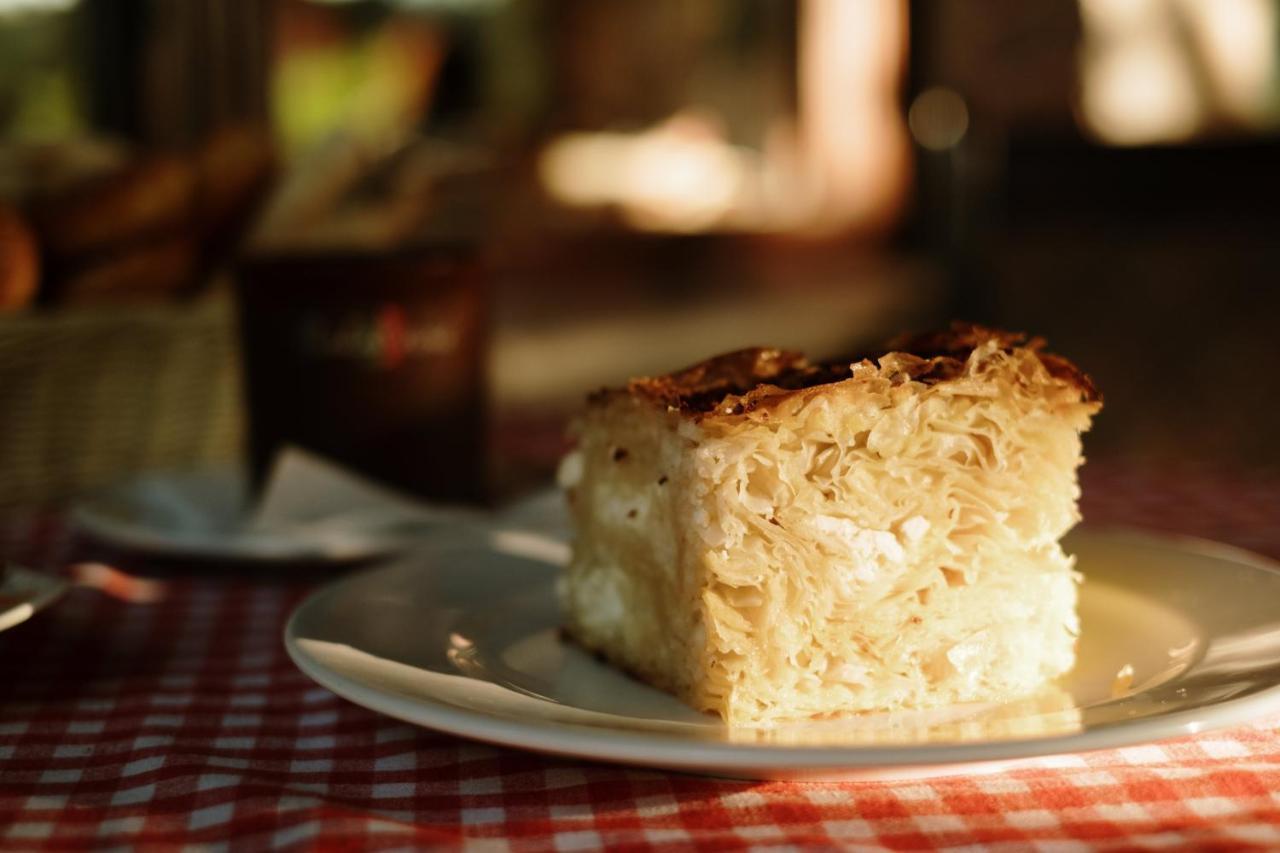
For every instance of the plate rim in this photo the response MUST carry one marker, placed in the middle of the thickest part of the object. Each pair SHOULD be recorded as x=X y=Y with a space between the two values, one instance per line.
x=121 y=534
x=658 y=750
x=87 y=517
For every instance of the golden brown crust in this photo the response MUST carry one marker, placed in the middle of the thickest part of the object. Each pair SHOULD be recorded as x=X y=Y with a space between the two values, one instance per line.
x=702 y=386
x=1061 y=368
x=741 y=381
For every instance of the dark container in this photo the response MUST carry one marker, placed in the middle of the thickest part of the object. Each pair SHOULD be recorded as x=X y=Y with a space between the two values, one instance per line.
x=376 y=361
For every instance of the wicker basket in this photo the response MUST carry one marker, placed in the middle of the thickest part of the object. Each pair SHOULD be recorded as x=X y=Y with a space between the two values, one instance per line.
x=92 y=395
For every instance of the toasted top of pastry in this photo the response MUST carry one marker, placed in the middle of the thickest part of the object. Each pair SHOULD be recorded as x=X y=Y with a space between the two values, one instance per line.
x=756 y=378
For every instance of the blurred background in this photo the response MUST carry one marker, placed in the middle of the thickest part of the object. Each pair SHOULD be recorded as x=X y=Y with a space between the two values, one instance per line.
x=423 y=229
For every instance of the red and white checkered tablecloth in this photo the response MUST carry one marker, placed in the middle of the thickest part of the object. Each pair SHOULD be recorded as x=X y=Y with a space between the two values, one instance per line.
x=180 y=721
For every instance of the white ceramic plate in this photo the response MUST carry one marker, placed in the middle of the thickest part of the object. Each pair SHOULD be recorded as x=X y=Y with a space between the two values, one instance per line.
x=24 y=593
x=464 y=639
x=205 y=514
x=180 y=514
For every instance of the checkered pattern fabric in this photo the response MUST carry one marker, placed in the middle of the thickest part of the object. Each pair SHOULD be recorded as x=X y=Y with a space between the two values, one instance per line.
x=165 y=713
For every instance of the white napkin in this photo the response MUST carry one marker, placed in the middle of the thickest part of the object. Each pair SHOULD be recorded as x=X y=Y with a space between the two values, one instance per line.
x=305 y=488
x=311 y=508
x=310 y=498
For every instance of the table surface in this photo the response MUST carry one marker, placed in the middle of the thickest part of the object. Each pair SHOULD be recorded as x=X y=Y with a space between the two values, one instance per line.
x=165 y=712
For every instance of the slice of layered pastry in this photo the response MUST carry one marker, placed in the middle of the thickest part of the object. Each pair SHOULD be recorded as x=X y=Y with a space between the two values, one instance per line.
x=770 y=539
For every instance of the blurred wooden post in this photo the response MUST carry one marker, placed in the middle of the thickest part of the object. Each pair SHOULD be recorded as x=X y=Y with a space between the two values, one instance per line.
x=166 y=72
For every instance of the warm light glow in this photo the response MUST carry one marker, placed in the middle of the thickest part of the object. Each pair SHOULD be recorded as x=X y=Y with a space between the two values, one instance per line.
x=1140 y=94
x=841 y=164
x=678 y=176
x=1163 y=70
x=1121 y=15
x=852 y=134
x=1238 y=41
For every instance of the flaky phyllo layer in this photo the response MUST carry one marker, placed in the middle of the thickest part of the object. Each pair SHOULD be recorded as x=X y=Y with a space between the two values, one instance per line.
x=885 y=540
